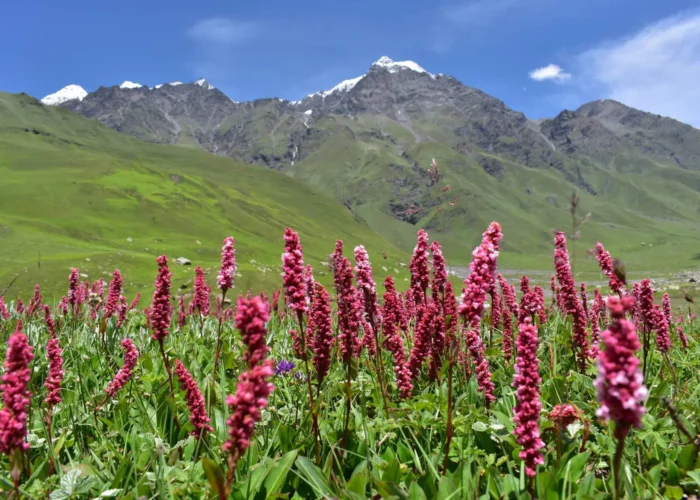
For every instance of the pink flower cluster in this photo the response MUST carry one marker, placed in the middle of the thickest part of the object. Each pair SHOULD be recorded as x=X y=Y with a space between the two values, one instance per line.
x=201 y=293
x=529 y=304
x=293 y=272
x=681 y=336
x=73 y=291
x=483 y=370
x=126 y=372
x=366 y=285
x=115 y=290
x=570 y=299
x=564 y=415
x=439 y=272
x=607 y=266
x=482 y=276
x=228 y=266
x=620 y=384
x=420 y=270
x=392 y=339
x=349 y=307
x=16 y=395
x=496 y=309
x=34 y=302
x=253 y=388
x=322 y=342
x=422 y=339
x=55 y=356
x=161 y=309
x=526 y=413
x=195 y=401
x=4 y=313
x=509 y=295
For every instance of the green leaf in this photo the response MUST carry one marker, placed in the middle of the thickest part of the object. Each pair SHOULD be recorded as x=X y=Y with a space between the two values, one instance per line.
x=576 y=466
x=278 y=475
x=415 y=492
x=695 y=478
x=674 y=492
x=111 y=493
x=215 y=475
x=392 y=473
x=685 y=457
x=390 y=490
x=358 y=483
x=655 y=475
x=313 y=476
x=672 y=474
x=446 y=489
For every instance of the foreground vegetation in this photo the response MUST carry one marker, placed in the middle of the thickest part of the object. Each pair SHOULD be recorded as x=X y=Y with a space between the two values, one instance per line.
x=410 y=399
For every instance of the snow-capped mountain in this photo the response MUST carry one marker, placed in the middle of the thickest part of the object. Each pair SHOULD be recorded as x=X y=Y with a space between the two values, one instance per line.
x=130 y=85
x=67 y=93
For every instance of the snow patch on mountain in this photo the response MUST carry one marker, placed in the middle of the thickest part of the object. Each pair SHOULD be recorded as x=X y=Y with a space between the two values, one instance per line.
x=203 y=83
x=130 y=85
x=396 y=66
x=67 y=93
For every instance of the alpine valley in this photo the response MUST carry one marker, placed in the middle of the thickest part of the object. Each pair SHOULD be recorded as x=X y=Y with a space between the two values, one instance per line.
x=351 y=162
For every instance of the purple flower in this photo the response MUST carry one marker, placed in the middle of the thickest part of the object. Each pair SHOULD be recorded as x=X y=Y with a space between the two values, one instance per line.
x=284 y=366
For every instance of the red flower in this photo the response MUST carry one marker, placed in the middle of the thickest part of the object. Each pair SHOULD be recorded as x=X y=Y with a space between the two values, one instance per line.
x=422 y=339
x=73 y=292
x=227 y=273
x=564 y=415
x=349 y=309
x=4 y=313
x=608 y=268
x=366 y=285
x=55 y=357
x=161 y=309
x=392 y=340
x=195 y=401
x=509 y=295
x=34 y=302
x=483 y=371
x=526 y=413
x=293 y=272
x=135 y=301
x=419 y=267
x=200 y=298
x=620 y=384
x=126 y=372
x=115 y=290
x=482 y=276
x=439 y=272
x=681 y=335
x=123 y=309
x=496 y=309
x=507 y=339
x=666 y=304
x=570 y=299
x=181 y=313
x=322 y=341
x=15 y=382
x=253 y=389
x=539 y=297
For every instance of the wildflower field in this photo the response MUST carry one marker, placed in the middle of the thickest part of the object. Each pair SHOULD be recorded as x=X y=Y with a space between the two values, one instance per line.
x=356 y=389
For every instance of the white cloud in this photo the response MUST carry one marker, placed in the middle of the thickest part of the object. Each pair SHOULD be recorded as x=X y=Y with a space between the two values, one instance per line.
x=223 y=32
x=549 y=72
x=656 y=69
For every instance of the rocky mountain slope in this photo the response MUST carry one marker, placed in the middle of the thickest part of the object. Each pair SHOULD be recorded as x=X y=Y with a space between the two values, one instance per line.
x=370 y=140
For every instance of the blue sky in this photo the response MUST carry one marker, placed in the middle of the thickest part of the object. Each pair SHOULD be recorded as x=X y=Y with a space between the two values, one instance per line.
x=645 y=53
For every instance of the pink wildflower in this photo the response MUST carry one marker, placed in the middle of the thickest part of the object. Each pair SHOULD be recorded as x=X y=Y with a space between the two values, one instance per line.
x=366 y=285
x=483 y=371
x=135 y=301
x=419 y=267
x=620 y=384
x=55 y=357
x=349 y=310
x=527 y=412
x=34 y=302
x=681 y=336
x=161 y=309
x=4 y=313
x=393 y=341
x=115 y=290
x=607 y=266
x=570 y=299
x=409 y=306
x=253 y=388
x=63 y=305
x=539 y=298
x=666 y=304
x=509 y=295
x=309 y=280
x=15 y=382
x=496 y=309
x=439 y=273
x=482 y=276
x=73 y=292
x=584 y=298
x=564 y=415
x=663 y=339
x=507 y=339
x=126 y=372
x=529 y=304
x=293 y=272
x=195 y=401
x=322 y=341
x=200 y=297
x=123 y=309
x=224 y=280
x=19 y=306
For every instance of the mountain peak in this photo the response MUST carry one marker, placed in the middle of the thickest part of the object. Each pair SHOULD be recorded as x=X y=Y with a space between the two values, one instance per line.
x=67 y=93
x=395 y=66
x=130 y=85
x=204 y=84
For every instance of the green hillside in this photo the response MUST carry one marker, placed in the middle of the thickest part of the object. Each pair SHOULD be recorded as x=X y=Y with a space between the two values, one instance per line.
x=646 y=215
x=76 y=193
